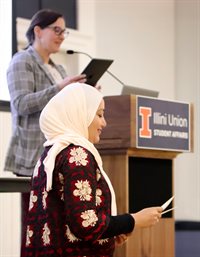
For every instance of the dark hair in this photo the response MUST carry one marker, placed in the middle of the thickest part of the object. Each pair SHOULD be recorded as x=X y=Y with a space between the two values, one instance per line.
x=43 y=19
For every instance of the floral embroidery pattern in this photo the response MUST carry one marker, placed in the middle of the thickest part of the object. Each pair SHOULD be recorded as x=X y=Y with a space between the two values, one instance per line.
x=98 y=174
x=71 y=236
x=61 y=179
x=33 y=199
x=83 y=190
x=29 y=234
x=103 y=241
x=45 y=235
x=89 y=218
x=78 y=155
x=45 y=194
x=98 y=196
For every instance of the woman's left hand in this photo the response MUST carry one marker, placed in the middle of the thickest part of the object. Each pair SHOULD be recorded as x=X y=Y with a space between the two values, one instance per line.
x=120 y=239
x=98 y=87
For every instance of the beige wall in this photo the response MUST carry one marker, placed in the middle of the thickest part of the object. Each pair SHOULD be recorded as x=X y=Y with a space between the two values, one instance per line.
x=139 y=36
x=187 y=81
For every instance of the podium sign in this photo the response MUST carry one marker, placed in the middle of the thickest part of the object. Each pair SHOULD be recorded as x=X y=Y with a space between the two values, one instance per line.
x=163 y=125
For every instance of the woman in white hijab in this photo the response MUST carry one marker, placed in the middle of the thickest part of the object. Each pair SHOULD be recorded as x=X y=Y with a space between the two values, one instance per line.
x=72 y=210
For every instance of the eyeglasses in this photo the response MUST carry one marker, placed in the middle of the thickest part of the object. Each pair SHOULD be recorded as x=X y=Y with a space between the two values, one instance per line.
x=58 y=31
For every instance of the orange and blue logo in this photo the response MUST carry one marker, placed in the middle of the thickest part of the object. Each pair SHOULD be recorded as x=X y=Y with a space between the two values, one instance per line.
x=145 y=113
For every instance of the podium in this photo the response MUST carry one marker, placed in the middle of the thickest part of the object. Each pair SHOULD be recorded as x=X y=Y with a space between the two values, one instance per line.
x=142 y=176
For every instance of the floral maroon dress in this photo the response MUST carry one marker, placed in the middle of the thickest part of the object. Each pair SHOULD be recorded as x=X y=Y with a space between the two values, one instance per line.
x=72 y=218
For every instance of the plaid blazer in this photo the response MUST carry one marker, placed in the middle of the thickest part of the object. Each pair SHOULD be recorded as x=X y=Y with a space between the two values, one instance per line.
x=31 y=86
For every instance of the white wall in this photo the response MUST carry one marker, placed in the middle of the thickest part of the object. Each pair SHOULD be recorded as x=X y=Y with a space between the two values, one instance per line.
x=139 y=36
x=187 y=81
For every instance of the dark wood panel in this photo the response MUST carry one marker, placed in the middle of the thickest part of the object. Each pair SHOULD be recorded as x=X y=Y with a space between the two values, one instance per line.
x=4 y=106
x=150 y=183
x=67 y=7
x=117 y=133
x=13 y=185
x=27 y=8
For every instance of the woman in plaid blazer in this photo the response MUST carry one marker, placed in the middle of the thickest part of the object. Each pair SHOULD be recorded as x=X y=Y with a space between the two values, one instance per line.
x=33 y=79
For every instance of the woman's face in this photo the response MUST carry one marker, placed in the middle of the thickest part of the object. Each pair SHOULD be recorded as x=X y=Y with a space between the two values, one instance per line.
x=98 y=123
x=51 y=37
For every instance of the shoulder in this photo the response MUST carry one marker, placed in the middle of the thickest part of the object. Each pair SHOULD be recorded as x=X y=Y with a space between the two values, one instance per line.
x=27 y=56
x=22 y=55
x=78 y=152
x=77 y=155
x=21 y=60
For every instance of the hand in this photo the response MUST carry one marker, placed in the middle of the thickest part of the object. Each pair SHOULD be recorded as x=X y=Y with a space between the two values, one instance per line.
x=120 y=239
x=68 y=80
x=98 y=87
x=147 y=217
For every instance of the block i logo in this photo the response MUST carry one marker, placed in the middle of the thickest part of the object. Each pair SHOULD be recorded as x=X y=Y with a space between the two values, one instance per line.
x=145 y=113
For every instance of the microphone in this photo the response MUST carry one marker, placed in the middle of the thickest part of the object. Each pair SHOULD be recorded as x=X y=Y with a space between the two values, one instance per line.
x=110 y=73
x=77 y=52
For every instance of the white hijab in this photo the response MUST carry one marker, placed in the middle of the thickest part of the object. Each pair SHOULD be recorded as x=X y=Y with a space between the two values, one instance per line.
x=65 y=120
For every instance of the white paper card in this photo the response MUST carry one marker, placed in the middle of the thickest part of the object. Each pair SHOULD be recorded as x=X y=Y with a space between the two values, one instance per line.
x=166 y=204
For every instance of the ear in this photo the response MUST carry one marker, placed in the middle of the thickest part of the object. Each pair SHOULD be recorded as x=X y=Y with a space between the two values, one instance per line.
x=37 y=31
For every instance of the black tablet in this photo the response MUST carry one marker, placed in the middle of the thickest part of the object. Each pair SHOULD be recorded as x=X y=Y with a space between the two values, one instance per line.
x=95 y=69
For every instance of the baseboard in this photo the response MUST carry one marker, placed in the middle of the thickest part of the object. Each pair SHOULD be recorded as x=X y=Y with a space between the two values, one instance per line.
x=187 y=225
x=4 y=106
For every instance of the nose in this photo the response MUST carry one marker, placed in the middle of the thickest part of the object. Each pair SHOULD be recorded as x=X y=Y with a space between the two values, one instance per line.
x=104 y=123
x=62 y=36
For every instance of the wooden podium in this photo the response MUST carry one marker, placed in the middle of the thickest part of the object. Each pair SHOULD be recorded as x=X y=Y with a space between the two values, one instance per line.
x=141 y=178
